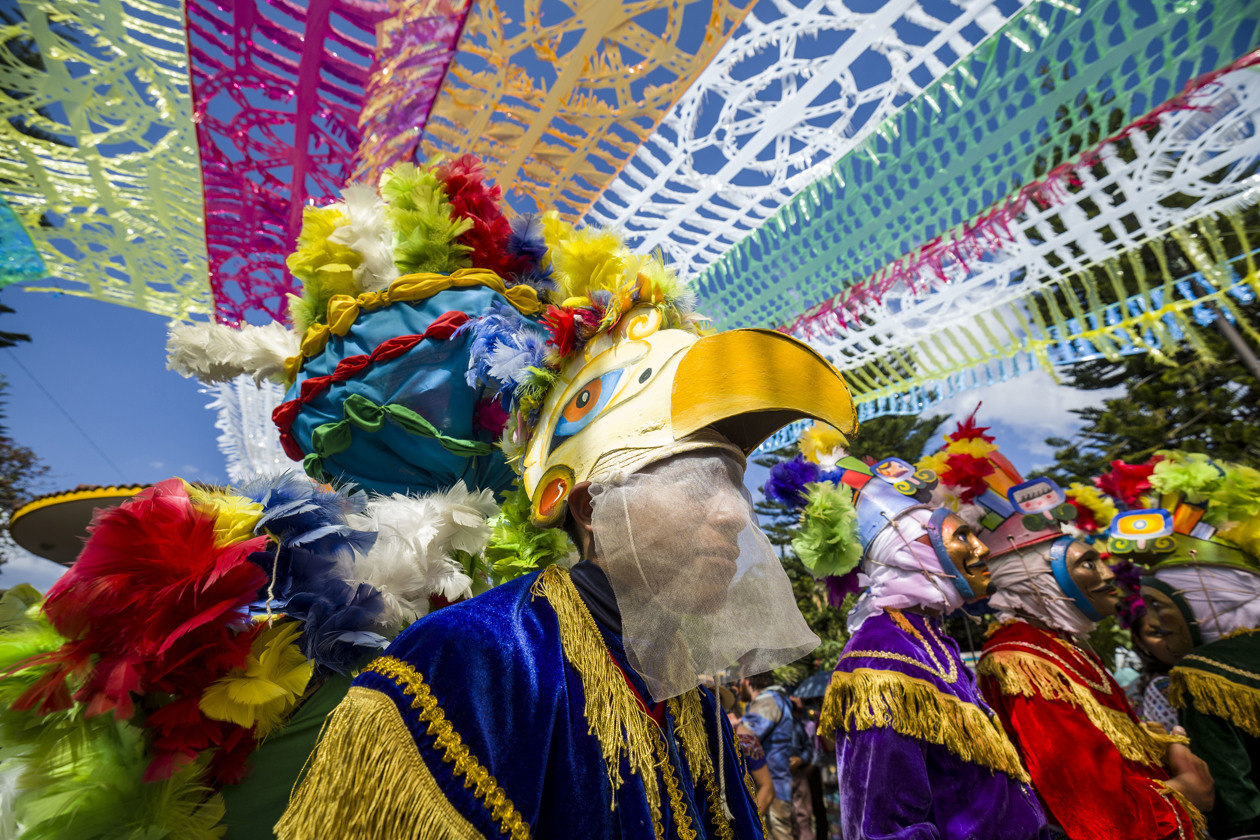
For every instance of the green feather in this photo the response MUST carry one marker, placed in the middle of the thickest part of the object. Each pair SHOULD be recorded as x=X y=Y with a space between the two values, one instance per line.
x=1237 y=497
x=517 y=546
x=97 y=792
x=424 y=228
x=15 y=604
x=827 y=542
x=1189 y=473
x=82 y=778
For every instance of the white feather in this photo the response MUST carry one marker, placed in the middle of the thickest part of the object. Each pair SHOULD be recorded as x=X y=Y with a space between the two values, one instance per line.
x=417 y=536
x=216 y=353
x=508 y=362
x=368 y=232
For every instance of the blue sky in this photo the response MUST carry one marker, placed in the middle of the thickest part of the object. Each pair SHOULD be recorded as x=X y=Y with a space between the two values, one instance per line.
x=90 y=394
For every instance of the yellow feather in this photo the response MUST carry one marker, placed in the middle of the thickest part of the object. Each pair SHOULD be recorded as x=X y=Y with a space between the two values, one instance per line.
x=819 y=440
x=235 y=516
x=262 y=693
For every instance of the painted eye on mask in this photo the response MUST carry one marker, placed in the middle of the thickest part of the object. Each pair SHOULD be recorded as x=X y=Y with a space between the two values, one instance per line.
x=586 y=405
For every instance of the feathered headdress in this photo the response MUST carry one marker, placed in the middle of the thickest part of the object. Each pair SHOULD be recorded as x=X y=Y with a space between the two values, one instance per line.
x=1184 y=507
x=194 y=620
x=978 y=483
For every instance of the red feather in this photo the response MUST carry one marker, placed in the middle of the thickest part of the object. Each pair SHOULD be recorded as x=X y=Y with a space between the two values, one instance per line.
x=464 y=180
x=1084 y=517
x=562 y=324
x=181 y=731
x=151 y=594
x=967 y=472
x=1126 y=483
x=968 y=430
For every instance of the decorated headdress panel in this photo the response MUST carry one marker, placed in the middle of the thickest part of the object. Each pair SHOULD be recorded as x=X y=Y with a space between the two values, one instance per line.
x=844 y=502
x=1186 y=508
x=978 y=482
x=436 y=341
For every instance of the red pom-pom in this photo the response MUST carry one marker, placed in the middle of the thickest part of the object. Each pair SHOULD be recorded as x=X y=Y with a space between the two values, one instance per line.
x=967 y=472
x=491 y=416
x=464 y=181
x=1126 y=483
x=968 y=430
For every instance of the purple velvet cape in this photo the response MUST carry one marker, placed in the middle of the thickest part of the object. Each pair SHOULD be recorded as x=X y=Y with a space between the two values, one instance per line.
x=896 y=786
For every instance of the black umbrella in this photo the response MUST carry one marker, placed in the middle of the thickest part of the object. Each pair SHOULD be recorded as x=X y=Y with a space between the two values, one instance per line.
x=813 y=687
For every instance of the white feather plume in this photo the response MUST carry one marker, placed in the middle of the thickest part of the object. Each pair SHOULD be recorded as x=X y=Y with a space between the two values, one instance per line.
x=417 y=536
x=217 y=353
x=368 y=232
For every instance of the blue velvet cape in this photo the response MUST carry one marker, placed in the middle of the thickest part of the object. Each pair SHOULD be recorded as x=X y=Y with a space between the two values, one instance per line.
x=497 y=714
x=917 y=752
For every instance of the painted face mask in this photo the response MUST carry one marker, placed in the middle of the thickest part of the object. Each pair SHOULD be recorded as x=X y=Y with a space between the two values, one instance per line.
x=640 y=393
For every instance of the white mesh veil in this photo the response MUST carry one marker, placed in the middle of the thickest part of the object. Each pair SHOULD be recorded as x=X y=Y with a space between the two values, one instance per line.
x=697 y=583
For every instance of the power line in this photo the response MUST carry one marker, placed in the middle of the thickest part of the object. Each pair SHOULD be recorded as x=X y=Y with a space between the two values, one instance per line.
x=66 y=414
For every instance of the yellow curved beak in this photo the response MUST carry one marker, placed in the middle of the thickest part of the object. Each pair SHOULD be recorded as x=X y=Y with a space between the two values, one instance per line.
x=748 y=384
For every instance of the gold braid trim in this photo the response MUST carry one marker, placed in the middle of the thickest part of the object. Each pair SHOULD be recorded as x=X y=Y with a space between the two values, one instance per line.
x=366 y=779
x=344 y=310
x=869 y=699
x=689 y=727
x=720 y=823
x=452 y=748
x=682 y=818
x=1197 y=821
x=1215 y=695
x=613 y=715
x=1028 y=675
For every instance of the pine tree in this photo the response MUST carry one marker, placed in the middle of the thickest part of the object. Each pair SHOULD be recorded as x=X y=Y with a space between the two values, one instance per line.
x=1203 y=403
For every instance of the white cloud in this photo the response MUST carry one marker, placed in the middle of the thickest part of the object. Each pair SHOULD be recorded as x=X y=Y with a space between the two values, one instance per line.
x=1024 y=411
x=24 y=567
x=1034 y=402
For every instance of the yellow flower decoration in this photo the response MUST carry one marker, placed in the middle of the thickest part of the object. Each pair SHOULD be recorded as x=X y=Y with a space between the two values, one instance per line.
x=936 y=462
x=975 y=447
x=820 y=440
x=1092 y=498
x=235 y=516
x=263 y=692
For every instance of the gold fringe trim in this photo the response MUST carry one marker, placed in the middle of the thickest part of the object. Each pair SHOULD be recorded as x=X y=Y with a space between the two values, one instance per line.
x=366 y=757
x=447 y=740
x=1028 y=675
x=613 y=715
x=689 y=726
x=869 y=699
x=1215 y=695
x=1197 y=821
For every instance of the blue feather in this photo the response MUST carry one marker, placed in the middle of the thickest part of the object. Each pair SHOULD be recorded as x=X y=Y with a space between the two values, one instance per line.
x=336 y=632
x=786 y=484
x=310 y=564
x=503 y=347
x=527 y=237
